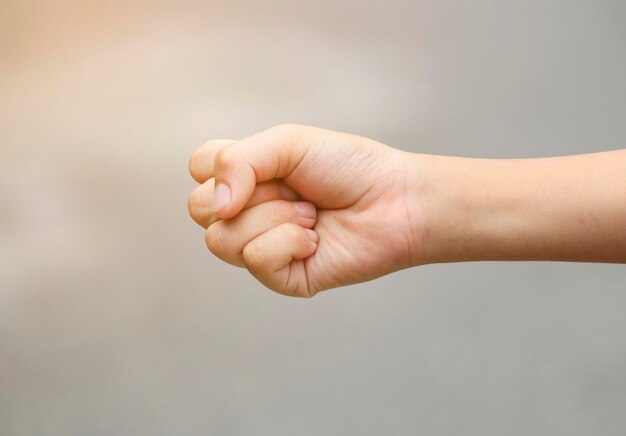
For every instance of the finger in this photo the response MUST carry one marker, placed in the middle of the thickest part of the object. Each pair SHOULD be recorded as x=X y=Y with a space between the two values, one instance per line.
x=200 y=202
x=271 y=154
x=275 y=259
x=227 y=238
x=201 y=161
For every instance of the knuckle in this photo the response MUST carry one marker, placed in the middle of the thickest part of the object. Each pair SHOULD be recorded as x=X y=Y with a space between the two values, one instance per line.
x=306 y=294
x=194 y=162
x=289 y=130
x=212 y=143
x=211 y=147
x=305 y=290
x=285 y=126
x=198 y=159
x=281 y=212
x=292 y=231
x=195 y=204
x=253 y=255
x=223 y=158
x=214 y=239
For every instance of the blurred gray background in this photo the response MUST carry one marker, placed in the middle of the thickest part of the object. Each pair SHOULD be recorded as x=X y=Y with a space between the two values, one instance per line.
x=116 y=320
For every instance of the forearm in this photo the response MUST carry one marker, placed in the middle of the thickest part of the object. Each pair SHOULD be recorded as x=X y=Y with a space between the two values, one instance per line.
x=562 y=208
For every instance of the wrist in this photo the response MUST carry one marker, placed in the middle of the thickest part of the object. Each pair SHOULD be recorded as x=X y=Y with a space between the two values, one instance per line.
x=470 y=209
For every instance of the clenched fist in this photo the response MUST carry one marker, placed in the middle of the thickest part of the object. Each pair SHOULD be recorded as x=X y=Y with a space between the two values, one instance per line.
x=306 y=209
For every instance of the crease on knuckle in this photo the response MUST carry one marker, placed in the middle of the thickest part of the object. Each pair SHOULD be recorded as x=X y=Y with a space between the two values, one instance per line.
x=196 y=204
x=279 y=212
x=253 y=255
x=292 y=232
x=198 y=160
x=194 y=162
x=214 y=239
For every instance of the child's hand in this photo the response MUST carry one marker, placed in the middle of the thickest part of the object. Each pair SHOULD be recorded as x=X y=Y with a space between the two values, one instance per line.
x=306 y=209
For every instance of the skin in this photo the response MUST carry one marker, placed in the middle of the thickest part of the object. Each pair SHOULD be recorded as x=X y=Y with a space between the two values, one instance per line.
x=306 y=209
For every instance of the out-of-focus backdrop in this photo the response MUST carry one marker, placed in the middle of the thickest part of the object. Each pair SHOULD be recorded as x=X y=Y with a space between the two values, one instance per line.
x=115 y=319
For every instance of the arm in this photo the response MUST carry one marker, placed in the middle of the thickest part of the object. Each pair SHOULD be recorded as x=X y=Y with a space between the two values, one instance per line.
x=570 y=208
x=307 y=209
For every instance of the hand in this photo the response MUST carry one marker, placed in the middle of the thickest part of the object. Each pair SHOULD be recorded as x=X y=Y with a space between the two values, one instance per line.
x=306 y=209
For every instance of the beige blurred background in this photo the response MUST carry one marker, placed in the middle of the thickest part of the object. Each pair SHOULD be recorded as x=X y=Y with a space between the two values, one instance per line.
x=115 y=320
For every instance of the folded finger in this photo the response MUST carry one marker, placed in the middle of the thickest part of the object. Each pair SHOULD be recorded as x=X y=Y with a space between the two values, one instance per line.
x=227 y=238
x=271 y=154
x=275 y=258
x=200 y=202
x=201 y=161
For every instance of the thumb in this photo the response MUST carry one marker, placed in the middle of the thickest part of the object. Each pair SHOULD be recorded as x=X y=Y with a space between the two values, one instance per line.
x=271 y=154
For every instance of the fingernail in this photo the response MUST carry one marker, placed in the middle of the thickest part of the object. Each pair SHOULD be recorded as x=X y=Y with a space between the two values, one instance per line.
x=313 y=235
x=221 y=197
x=305 y=209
